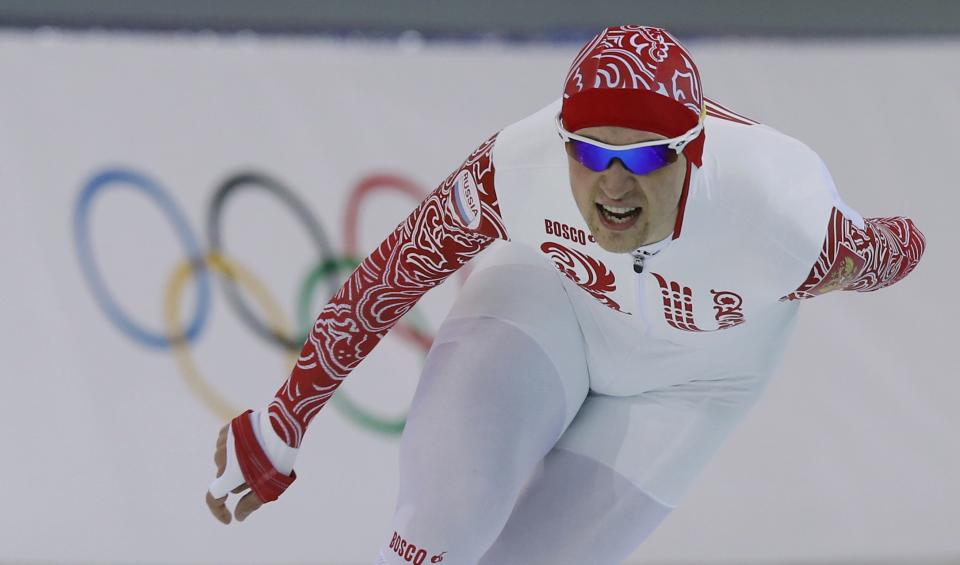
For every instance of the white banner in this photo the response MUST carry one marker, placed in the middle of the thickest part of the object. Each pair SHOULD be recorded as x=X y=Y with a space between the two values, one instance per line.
x=280 y=162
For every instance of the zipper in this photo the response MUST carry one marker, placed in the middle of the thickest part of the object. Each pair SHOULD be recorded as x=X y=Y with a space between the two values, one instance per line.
x=641 y=263
x=638 y=259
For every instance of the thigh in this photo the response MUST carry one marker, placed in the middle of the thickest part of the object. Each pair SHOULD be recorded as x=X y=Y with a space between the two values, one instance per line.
x=660 y=440
x=575 y=510
x=517 y=285
x=498 y=388
x=618 y=470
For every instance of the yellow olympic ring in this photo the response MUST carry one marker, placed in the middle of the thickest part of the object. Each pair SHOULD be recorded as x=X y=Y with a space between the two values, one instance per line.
x=171 y=306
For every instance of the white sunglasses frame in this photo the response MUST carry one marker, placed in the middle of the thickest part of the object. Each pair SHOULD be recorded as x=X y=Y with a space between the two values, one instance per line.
x=675 y=143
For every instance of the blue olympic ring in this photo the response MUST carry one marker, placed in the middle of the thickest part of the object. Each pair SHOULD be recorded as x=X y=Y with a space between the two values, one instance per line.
x=91 y=273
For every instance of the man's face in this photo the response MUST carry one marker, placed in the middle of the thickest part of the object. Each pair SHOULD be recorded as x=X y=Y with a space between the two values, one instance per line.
x=647 y=204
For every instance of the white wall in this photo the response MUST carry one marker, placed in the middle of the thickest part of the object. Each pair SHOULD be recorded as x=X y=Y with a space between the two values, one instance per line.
x=107 y=448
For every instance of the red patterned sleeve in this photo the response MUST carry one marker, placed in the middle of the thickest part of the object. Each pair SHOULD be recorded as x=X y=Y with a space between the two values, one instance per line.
x=454 y=223
x=879 y=255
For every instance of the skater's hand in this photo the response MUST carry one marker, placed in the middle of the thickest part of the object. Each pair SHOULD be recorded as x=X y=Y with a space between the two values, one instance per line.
x=225 y=460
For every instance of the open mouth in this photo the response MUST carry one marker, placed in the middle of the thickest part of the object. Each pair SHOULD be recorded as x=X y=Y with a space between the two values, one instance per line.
x=617 y=216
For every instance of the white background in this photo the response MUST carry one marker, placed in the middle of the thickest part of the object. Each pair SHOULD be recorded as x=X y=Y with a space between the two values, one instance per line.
x=852 y=453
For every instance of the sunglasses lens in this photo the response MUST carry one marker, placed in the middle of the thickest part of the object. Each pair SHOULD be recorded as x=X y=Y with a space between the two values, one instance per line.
x=590 y=156
x=639 y=160
x=643 y=160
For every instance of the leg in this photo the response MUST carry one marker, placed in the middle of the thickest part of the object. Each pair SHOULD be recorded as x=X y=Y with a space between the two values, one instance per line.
x=618 y=470
x=576 y=510
x=503 y=379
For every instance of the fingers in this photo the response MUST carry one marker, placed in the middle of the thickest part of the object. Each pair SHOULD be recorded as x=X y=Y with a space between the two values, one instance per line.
x=218 y=507
x=229 y=475
x=220 y=455
x=249 y=503
x=229 y=480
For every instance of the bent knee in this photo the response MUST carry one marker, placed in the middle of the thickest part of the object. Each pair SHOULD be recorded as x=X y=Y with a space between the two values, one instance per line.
x=576 y=510
x=489 y=400
x=532 y=300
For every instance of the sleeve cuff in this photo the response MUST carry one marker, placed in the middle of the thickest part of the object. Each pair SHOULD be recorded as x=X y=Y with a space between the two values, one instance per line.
x=258 y=471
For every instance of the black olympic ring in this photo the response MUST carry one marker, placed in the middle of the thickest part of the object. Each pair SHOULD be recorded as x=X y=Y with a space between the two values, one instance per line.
x=325 y=252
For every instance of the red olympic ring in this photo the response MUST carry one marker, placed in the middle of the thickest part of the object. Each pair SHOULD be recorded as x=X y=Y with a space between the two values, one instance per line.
x=364 y=189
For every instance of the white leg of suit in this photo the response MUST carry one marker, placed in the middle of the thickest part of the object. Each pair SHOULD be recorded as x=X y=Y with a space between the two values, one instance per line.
x=504 y=378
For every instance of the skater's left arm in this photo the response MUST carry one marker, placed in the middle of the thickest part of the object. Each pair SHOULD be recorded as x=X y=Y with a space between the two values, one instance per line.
x=876 y=254
x=838 y=248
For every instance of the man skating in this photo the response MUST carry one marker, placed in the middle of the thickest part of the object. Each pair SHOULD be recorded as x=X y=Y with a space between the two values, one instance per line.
x=648 y=249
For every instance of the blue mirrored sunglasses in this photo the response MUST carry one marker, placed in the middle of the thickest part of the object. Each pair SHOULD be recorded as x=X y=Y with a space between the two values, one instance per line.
x=638 y=158
x=639 y=161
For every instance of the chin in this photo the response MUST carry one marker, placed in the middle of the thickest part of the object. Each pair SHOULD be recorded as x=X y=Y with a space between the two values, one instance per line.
x=616 y=245
x=617 y=242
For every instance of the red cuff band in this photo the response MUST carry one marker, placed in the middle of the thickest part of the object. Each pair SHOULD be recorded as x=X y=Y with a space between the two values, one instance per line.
x=256 y=467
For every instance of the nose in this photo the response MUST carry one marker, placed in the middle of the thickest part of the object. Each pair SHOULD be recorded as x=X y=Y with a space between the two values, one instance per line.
x=617 y=181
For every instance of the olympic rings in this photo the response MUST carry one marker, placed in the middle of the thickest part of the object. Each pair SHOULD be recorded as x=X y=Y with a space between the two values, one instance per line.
x=171 y=308
x=299 y=209
x=81 y=220
x=364 y=189
x=198 y=263
x=325 y=269
x=343 y=401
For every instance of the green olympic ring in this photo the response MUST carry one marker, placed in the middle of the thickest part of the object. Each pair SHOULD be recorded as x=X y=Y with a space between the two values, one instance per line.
x=350 y=409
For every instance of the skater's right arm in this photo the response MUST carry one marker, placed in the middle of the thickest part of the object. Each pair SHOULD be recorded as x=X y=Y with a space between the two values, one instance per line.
x=456 y=221
x=453 y=224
